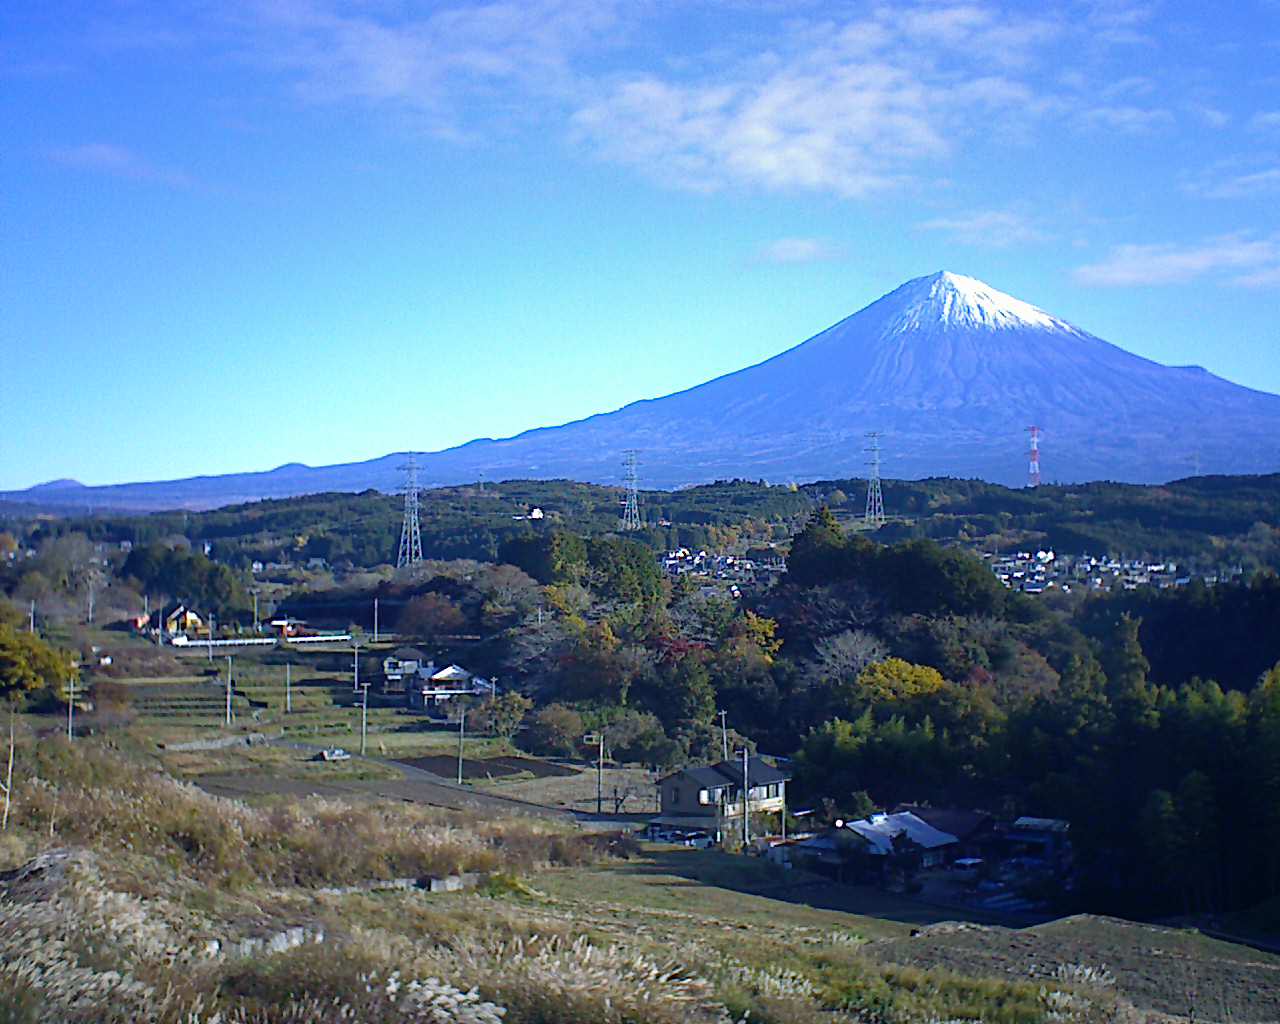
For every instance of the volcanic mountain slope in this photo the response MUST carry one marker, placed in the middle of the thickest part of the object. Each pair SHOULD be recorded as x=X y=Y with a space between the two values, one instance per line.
x=951 y=370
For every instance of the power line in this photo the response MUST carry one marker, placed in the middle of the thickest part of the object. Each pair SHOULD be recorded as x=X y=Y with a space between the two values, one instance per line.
x=631 y=502
x=875 y=499
x=410 y=537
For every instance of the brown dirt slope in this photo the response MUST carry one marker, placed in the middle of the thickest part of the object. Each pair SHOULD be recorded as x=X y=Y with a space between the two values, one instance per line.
x=1157 y=969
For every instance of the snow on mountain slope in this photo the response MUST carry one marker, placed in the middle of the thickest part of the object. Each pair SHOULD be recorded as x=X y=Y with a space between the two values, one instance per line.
x=957 y=302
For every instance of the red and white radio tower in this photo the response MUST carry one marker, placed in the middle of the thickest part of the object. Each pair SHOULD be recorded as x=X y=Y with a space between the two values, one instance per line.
x=1033 y=475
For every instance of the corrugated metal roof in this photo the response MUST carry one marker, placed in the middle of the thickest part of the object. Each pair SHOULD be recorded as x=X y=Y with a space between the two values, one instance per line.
x=881 y=829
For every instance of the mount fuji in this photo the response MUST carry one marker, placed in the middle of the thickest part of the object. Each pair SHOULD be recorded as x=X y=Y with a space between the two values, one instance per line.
x=949 y=369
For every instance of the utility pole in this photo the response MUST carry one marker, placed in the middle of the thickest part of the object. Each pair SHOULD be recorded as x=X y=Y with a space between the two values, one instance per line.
x=724 y=734
x=597 y=739
x=71 y=707
x=288 y=689
x=90 y=602
x=746 y=803
x=355 y=662
x=364 y=720
x=8 y=782
x=375 y=620
x=228 y=690
x=31 y=618
x=210 y=636
x=462 y=728
x=256 y=627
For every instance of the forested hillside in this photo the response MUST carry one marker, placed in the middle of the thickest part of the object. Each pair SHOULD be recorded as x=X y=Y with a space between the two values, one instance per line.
x=1208 y=521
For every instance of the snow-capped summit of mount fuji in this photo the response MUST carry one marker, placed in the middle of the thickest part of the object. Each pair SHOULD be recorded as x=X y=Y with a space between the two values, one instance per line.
x=950 y=370
x=954 y=301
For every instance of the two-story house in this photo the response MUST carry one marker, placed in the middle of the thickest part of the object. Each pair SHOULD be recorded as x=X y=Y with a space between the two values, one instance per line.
x=710 y=798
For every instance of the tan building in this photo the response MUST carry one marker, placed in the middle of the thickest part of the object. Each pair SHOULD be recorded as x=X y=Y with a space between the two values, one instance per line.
x=710 y=797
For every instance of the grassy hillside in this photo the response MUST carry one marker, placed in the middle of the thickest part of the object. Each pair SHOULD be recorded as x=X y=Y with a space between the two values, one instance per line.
x=145 y=898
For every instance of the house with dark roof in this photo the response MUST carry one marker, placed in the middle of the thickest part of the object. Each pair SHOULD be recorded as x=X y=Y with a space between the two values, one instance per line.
x=710 y=797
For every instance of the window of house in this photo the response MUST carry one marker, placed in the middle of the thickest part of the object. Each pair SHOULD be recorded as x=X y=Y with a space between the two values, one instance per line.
x=675 y=794
x=704 y=797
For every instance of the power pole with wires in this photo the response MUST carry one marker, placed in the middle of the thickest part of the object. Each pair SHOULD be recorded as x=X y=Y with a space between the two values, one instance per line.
x=355 y=670
x=364 y=720
x=631 y=501
x=288 y=687
x=746 y=803
x=410 y=536
x=228 y=691
x=875 y=498
x=724 y=734
x=71 y=707
x=462 y=728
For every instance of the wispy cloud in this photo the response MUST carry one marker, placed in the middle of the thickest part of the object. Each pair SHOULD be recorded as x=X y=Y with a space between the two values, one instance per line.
x=1265 y=121
x=427 y=63
x=1128 y=119
x=1121 y=22
x=1251 y=262
x=117 y=161
x=991 y=228
x=1240 y=186
x=798 y=250
x=848 y=108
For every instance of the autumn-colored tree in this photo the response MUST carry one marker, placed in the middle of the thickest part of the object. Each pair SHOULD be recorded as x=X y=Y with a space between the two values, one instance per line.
x=502 y=715
x=894 y=679
x=430 y=616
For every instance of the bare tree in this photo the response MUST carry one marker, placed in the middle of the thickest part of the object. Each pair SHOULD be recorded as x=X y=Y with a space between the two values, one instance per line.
x=842 y=658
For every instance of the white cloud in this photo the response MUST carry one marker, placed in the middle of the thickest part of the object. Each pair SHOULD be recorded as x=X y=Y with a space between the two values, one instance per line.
x=118 y=161
x=798 y=250
x=851 y=129
x=1266 y=120
x=1127 y=265
x=852 y=109
x=818 y=99
x=992 y=228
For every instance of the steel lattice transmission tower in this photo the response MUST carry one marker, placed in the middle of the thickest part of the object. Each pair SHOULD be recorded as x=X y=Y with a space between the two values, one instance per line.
x=875 y=499
x=631 y=501
x=1033 y=469
x=410 y=537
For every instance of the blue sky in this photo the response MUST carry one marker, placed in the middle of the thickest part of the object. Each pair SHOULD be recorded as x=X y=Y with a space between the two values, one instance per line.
x=244 y=233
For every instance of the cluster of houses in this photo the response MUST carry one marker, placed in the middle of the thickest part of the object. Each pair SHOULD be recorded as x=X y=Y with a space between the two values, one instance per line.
x=991 y=861
x=1040 y=571
x=726 y=568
